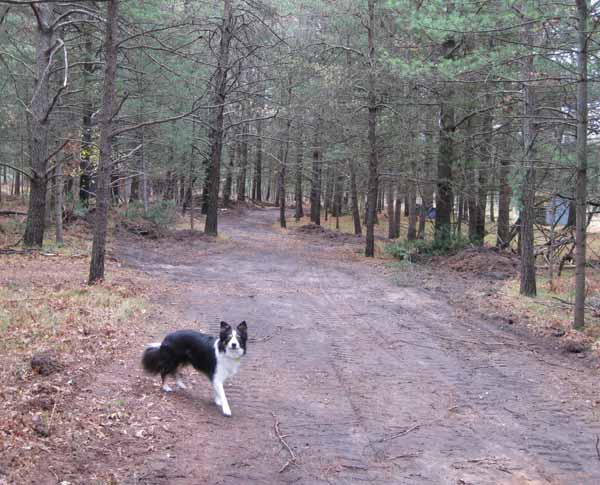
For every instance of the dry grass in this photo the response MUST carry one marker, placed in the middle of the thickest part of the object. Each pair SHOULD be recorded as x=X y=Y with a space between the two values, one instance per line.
x=552 y=310
x=46 y=306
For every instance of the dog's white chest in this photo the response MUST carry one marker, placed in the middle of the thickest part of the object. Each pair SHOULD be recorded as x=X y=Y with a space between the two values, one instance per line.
x=226 y=368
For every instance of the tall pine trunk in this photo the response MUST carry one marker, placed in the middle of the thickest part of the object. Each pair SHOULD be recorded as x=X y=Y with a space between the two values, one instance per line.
x=257 y=182
x=216 y=128
x=372 y=136
x=315 y=190
x=504 y=193
x=528 y=276
x=229 y=176
x=390 y=211
x=299 y=213
x=354 y=199
x=581 y=174
x=444 y=195
x=85 y=180
x=241 y=185
x=39 y=127
x=106 y=137
x=59 y=201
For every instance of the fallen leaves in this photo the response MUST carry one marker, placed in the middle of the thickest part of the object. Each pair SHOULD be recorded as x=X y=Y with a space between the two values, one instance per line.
x=55 y=333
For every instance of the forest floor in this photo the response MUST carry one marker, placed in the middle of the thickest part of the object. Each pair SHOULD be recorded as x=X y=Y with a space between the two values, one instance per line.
x=356 y=372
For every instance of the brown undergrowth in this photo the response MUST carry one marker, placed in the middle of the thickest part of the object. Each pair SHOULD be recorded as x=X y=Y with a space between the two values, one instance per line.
x=486 y=281
x=56 y=332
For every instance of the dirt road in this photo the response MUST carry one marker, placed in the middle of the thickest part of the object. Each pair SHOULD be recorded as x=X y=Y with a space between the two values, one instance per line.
x=368 y=381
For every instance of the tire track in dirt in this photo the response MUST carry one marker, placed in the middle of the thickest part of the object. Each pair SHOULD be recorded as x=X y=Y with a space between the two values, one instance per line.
x=568 y=451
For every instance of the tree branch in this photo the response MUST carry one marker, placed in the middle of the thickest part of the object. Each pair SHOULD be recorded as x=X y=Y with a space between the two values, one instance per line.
x=2 y=164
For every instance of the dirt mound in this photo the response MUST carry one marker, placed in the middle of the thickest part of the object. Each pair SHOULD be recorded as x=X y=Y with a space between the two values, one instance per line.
x=45 y=363
x=319 y=231
x=311 y=229
x=481 y=262
x=189 y=235
x=143 y=228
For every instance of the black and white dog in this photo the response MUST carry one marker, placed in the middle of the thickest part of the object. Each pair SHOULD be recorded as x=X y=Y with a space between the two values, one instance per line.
x=216 y=357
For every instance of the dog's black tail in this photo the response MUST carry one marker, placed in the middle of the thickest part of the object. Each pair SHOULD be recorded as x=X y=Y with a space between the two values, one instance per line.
x=151 y=359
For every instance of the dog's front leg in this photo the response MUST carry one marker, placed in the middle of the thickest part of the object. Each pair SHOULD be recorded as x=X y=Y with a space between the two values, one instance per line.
x=179 y=382
x=220 y=398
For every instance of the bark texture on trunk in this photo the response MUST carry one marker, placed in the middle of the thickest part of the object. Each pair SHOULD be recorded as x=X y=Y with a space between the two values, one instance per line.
x=59 y=201
x=581 y=174
x=444 y=195
x=528 y=276
x=229 y=176
x=216 y=128
x=85 y=181
x=241 y=185
x=299 y=212
x=106 y=136
x=315 y=190
x=39 y=127
x=372 y=137
x=390 y=211
x=504 y=194
x=354 y=199
x=257 y=183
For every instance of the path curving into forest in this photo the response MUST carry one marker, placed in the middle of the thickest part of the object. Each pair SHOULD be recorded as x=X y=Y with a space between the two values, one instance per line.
x=367 y=381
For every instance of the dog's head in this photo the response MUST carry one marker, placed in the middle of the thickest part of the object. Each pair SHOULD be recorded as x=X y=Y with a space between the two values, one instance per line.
x=233 y=342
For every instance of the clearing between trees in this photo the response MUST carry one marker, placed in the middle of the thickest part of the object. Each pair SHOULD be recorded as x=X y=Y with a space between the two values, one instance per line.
x=349 y=377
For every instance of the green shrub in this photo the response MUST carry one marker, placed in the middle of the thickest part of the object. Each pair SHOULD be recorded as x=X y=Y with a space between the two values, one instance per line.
x=409 y=250
x=80 y=210
x=163 y=213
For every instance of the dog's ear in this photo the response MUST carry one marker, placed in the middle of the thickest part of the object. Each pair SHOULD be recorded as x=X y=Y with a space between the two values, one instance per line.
x=242 y=327
x=225 y=326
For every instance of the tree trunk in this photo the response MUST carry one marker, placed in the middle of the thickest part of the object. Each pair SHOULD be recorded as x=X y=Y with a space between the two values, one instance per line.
x=338 y=190
x=354 y=199
x=491 y=192
x=257 y=192
x=528 y=276
x=144 y=184
x=444 y=196
x=411 y=233
x=39 y=127
x=328 y=190
x=241 y=185
x=462 y=207
x=59 y=201
x=581 y=174
x=229 y=177
x=390 y=211
x=17 y=189
x=216 y=128
x=299 y=213
x=269 y=173
x=191 y=205
x=398 y=211
x=85 y=179
x=503 y=230
x=315 y=191
x=372 y=136
x=106 y=136
x=485 y=168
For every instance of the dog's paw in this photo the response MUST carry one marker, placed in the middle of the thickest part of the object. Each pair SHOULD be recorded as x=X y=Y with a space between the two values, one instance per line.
x=166 y=388
x=217 y=401
x=181 y=385
x=227 y=412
